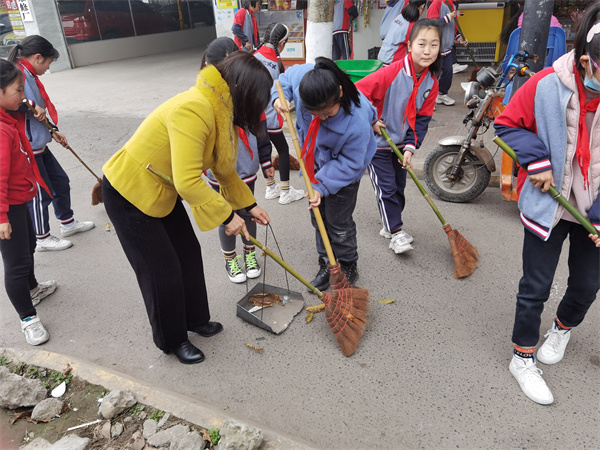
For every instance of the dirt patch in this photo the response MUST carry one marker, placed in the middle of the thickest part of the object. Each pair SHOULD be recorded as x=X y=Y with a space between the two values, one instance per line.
x=82 y=400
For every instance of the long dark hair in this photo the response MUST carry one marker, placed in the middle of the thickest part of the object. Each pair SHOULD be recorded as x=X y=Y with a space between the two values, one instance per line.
x=8 y=73
x=32 y=45
x=320 y=87
x=582 y=46
x=250 y=86
x=217 y=51
x=436 y=66
x=411 y=11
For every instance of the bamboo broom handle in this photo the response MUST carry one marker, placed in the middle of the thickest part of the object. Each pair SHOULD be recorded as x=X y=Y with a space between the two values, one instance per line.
x=53 y=131
x=309 y=188
x=414 y=177
x=462 y=34
x=287 y=267
x=552 y=191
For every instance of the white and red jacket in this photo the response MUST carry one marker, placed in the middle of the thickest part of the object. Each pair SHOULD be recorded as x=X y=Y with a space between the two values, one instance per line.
x=541 y=124
x=267 y=55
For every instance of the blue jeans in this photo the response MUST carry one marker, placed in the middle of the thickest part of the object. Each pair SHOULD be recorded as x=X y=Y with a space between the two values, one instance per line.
x=58 y=183
x=446 y=76
x=336 y=210
x=540 y=259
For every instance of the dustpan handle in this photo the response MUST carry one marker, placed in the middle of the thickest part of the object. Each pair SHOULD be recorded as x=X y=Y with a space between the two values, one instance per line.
x=309 y=188
x=286 y=266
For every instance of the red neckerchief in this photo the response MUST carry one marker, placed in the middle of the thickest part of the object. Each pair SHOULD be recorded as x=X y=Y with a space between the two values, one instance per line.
x=582 y=151
x=6 y=118
x=308 y=149
x=244 y=138
x=49 y=105
x=410 y=113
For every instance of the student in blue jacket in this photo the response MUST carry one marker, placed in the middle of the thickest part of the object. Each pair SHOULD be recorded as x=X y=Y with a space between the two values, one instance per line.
x=553 y=125
x=336 y=120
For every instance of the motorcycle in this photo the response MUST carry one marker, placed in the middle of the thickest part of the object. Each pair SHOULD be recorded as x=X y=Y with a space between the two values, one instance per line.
x=459 y=168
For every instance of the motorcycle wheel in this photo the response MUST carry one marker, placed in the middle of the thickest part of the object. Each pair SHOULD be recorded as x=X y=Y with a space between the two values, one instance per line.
x=473 y=176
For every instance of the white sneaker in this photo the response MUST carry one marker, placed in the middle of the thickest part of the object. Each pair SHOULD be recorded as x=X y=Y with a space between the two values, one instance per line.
x=445 y=99
x=52 y=243
x=291 y=195
x=530 y=380
x=456 y=68
x=75 y=227
x=42 y=290
x=386 y=234
x=273 y=192
x=251 y=265
x=35 y=333
x=553 y=350
x=400 y=243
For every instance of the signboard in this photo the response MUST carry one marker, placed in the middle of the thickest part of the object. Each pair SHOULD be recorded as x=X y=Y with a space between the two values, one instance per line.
x=25 y=10
x=14 y=15
x=226 y=4
x=293 y=50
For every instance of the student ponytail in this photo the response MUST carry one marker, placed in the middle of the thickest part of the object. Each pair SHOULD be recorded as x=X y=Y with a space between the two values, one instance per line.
x=411 y=11
x=587 y=39
x=8 y=73
x=320 y=87
x=217 y=51
x=32 y=45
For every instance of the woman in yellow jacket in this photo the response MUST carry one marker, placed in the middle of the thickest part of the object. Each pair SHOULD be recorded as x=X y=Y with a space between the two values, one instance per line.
x=161 y=165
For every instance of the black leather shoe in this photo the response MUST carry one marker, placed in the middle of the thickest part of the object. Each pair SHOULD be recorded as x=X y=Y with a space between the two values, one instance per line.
x=321 y=280
x=187 y=353
x=351 y=272
x=208 y=329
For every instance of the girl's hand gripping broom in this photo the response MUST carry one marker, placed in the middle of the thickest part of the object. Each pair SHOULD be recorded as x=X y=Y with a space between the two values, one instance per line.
x=346 y=314
x=97 y=189
x=464 y=253
x=552 y=190
x=346 y=308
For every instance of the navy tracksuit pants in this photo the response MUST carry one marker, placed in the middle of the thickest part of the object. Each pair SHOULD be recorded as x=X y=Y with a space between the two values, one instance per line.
x=389 y=180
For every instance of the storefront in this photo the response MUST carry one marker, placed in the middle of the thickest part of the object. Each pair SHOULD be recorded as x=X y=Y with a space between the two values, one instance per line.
x=93 y=31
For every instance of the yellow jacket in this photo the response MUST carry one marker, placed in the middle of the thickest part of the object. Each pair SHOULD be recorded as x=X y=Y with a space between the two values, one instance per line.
x=186 y=135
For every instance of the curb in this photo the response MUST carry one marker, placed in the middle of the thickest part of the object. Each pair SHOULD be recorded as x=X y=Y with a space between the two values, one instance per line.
x=196 y=412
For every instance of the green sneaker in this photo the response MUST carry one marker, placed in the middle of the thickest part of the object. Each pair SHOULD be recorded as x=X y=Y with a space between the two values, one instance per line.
x=234 y=271
x=251 y=264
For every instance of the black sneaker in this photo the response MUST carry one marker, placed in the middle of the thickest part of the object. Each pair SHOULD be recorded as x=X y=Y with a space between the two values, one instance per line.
x=321 y=280
x=234 y=271
x=351 y=272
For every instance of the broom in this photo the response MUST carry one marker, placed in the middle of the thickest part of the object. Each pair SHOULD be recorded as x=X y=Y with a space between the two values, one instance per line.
x=337 y=277
x=346 y=308
x=473 y=76
x=97 y=189
x=552 y=190
x=465 y=255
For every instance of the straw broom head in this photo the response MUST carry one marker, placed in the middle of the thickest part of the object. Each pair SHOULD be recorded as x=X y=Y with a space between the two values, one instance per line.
x=464 y=253
x=97 y=193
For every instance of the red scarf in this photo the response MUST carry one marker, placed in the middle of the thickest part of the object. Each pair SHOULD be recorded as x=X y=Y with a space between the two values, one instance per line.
x=244 y=138
x=308 y=149
x=582 y=151
x=49 y=105
x=410 y=113
x=7 y=119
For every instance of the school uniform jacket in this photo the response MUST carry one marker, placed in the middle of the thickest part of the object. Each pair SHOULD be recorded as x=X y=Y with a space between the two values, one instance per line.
x=395 y=44
x=268 y=57
x=343 y=12
x=541 y=124
x=245 y=28
x=393 y=8
x=389 y=89
x=18 y=183
x=345 y=143
x=188 y=134
x=439 y=10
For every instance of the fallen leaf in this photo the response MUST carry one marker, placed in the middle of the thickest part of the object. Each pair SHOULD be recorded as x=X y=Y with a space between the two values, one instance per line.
x=107 y=227
x=67 y=370
x=309 y=317
x=206 y=437
x=387 y=301
x=256 y=349
x=20 y=415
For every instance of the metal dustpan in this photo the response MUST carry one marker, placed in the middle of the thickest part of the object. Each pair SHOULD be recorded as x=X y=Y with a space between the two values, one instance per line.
x=274 y=318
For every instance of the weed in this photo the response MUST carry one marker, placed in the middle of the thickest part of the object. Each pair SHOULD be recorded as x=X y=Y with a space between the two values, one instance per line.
x=4 y=361
x=137 y=409
x=102 y=394
x=156 y=415
x=215 y=435
x=59 y=377
x=19 y=368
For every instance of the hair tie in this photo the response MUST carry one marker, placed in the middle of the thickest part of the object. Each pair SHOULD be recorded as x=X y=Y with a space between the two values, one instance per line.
x=593 y=32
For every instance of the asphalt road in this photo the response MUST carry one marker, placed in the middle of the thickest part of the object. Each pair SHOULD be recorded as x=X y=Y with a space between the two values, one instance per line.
x=432 y=368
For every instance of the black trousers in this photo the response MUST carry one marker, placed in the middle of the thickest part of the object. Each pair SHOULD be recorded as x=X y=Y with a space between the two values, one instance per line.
x=167 y=260
x=540 y=259
x=17 y=256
